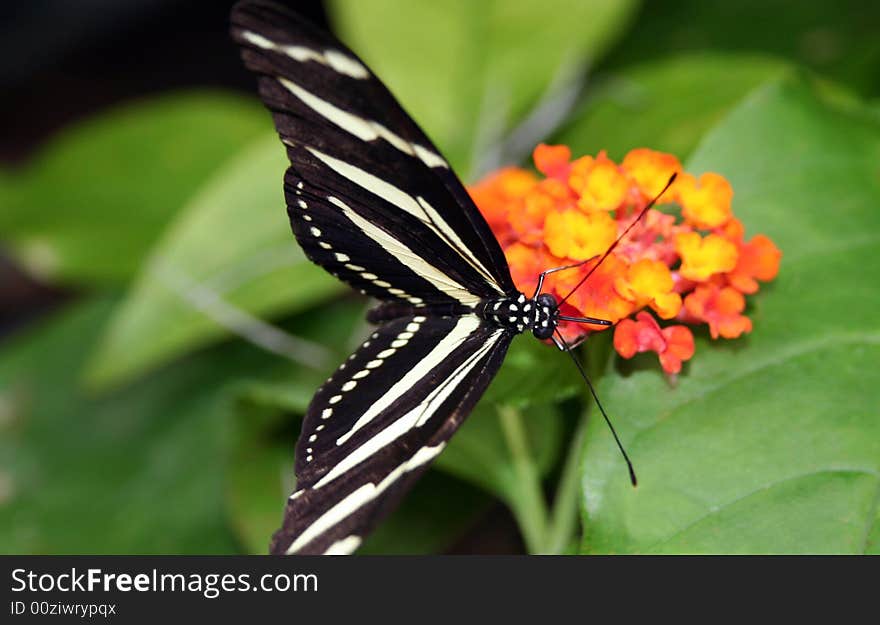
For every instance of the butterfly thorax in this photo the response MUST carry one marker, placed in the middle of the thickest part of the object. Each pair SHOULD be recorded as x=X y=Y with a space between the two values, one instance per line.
x=521 y=313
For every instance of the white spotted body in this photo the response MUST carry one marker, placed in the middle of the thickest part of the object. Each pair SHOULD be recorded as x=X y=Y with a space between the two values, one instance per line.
x=518 y=314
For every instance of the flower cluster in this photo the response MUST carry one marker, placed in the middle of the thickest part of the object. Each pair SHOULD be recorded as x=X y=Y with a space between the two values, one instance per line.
x=687 y=259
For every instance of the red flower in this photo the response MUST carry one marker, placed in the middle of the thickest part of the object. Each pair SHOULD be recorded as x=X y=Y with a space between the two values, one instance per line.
x=720 y=307
x=673 y=344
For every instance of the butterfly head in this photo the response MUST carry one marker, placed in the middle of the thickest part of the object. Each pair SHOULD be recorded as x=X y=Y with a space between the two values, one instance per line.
x=546 y=319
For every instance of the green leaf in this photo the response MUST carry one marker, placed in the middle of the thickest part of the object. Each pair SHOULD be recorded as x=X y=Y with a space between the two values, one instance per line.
x=665 y=105
x=137 y=472
x=94 y=200
x=480 y=66
x=770 y=443
x=227 y=259
x=836 y=39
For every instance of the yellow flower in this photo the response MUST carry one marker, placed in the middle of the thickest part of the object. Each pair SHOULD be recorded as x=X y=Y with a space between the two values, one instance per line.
x=703 y=257
x=705 y=204
x=649 y=283
x=598 y=182
x=650 y=170
x=573 y=234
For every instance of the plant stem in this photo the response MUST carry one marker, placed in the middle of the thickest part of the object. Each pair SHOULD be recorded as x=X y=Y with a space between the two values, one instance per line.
x=564 y=517
x=563 y=521
x=527 y=498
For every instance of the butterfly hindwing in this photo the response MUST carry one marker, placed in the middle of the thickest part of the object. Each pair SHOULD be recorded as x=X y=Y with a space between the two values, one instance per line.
x=379 y=421
x=360 y=163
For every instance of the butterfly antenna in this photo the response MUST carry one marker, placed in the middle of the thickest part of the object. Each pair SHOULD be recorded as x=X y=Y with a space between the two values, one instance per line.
x=620 y=238
x=580 y=368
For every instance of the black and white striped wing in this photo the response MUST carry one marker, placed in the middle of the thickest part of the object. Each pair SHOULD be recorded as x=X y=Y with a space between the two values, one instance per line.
x=369 y=197
x=374 y=427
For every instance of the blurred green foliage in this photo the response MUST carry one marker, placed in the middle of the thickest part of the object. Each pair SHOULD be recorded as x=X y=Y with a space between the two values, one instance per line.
x=158 y=412
x=90 y=206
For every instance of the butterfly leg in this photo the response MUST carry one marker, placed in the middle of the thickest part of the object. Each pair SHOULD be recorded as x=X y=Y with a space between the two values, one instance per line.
x=547 y=272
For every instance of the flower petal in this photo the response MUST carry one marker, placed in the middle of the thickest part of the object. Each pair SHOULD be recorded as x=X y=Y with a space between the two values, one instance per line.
x=552 y=160
x=599 y=183
x=702 y=257
x=704 y=204
x=651 y=170
x=758 y=260
x=577 y=235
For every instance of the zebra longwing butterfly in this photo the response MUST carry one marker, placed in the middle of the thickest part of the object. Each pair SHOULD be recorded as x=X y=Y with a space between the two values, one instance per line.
x=372 y=201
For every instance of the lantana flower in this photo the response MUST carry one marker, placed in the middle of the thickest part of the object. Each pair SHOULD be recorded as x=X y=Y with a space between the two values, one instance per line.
x=686 y=262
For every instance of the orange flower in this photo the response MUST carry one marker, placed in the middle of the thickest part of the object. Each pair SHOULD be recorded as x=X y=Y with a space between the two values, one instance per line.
x=498 y=195
x=649 y=282
x=705 y=204
x=720 y=307
x=701 y=257
x=601 y=300
x=577 y=235
x=693 y=265
x=673 y=345
x=758 y=260
x=552 y=160
x=732 y=230
x=527 y=262
x=650 y=170
x=598 y=182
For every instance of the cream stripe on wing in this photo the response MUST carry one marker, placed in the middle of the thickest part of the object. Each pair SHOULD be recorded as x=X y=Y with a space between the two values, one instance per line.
x=407 y=257
x=462 y=329
x=363 y=129
x=360 y=497
x=332 y=58
x=417 y=207
x=416 y=417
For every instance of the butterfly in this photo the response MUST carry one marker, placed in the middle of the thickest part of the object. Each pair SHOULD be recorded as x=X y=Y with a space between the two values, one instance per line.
x=372 y=201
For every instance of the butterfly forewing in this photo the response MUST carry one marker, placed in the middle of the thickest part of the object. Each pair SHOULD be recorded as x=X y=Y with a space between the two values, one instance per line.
x=379 y=420
x=371 y=200
x=356 y=154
